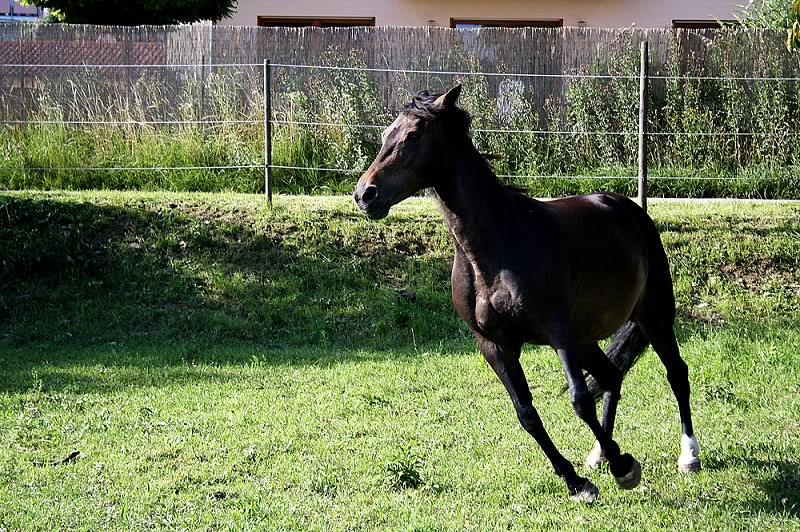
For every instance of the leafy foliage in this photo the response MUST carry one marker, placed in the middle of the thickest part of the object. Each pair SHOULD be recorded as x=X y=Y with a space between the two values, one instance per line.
x=793 y=38
x=773 y=14
x=730 y=137
x=766 y=14
x=137 y=12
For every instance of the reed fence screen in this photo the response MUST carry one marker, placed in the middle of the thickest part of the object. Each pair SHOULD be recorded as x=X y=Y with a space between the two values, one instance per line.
x=548 y=102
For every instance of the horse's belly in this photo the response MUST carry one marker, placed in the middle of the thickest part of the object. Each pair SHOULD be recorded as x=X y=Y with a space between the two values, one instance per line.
x=597 y=317
x=528 y=314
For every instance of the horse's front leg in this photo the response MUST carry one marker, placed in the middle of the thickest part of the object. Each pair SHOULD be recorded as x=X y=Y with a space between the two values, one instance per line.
x=624 y=467
x=505 y=364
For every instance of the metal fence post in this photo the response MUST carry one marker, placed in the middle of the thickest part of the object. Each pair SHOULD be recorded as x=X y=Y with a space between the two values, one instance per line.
x=643 y=79
x=201 y=112
x=267 y=130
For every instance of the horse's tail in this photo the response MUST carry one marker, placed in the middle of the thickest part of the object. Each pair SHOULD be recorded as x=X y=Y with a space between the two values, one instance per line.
x=626 y=346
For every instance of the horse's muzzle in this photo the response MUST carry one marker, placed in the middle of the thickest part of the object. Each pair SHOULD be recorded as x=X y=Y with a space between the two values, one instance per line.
x=367 y=199
x=374 y=211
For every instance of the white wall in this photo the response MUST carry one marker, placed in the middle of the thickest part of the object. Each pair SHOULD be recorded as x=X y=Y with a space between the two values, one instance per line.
x=597 y=13
x=18 y=9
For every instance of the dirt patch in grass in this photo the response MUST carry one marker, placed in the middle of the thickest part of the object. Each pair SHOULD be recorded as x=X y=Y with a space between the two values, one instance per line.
x=763 y=275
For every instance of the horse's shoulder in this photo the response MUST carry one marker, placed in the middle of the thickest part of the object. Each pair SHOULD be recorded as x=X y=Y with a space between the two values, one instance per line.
x=463 y=286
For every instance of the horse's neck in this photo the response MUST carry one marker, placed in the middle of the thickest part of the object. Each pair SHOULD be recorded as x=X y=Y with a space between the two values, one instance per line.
x=477 y=208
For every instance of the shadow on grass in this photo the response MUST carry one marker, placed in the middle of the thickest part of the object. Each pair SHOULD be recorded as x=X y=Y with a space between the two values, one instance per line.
x=139 y=284
x=787 y=224
x=171 y=282
x=99 y=298
x=779 y=480
x=108 y=369
x=89 y=274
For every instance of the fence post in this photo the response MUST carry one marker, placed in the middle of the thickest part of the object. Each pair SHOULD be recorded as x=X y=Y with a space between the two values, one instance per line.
x=643 y=79
x=201 y=113
x=267 y=130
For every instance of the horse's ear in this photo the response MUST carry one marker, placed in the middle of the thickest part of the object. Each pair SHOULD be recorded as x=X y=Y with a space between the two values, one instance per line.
x=450 y=97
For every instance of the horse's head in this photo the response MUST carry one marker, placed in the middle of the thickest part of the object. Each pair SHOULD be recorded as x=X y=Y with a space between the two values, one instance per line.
x=413 y=152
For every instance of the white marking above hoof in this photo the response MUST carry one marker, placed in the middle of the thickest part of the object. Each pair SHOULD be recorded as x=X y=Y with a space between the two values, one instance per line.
x=632 y=479
x=689 y=461
x=596 y=457
x=587 y=494
x=691 y=467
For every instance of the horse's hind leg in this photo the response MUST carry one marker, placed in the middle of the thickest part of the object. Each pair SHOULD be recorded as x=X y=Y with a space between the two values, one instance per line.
x=626 y=470
x=609 y=378
x=666 y=346
x=507 y=367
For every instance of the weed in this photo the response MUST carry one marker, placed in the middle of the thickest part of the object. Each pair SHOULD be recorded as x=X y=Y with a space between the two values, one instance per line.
x=324 y=484
x=403 y=470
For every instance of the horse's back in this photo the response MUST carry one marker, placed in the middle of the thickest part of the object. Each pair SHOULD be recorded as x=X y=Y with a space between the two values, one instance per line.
x=615 y=257
x=606 y=219
x=603 y=222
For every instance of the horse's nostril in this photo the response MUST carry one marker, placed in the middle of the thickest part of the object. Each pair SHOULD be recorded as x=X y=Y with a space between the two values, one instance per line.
x=370 y=193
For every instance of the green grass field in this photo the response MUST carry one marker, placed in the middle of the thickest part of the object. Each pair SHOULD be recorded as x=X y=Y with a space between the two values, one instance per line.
x=221 y=365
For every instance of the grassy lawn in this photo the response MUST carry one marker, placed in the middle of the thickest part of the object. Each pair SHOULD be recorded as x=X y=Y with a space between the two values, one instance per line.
x=221 y=365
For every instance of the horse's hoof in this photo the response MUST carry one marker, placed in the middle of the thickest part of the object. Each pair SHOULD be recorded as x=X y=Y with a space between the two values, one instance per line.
x=596 y=457
x=587 y=494
x=689 y=461
x=632 y=479
x=690 y=466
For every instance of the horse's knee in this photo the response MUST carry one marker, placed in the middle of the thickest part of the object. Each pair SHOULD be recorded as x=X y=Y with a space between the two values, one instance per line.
x=678 y=374
x=583 y=404
x=611 y=386
x=530 y=420
x=612 y=395
x=615 y=381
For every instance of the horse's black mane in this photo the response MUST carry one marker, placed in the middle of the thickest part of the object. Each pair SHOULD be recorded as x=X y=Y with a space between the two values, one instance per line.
x=422 y=106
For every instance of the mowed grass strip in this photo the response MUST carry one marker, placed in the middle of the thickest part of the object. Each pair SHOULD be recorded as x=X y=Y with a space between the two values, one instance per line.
x=218 y=364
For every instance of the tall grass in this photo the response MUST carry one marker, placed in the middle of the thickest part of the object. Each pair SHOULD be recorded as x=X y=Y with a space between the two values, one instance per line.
x=118 y=132
x=731 y=137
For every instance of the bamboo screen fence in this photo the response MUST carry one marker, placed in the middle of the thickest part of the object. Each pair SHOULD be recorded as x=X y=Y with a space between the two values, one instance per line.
x=198 y=49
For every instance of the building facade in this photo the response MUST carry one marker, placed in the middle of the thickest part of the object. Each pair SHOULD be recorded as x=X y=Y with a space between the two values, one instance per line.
x=477 y=13
x=12 y=11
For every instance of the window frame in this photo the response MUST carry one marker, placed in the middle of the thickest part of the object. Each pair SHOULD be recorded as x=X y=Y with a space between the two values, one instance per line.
x=700 y=24
x=313 y=22
x=509 y=23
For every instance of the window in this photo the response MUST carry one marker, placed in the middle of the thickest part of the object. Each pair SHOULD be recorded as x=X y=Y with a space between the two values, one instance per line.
x=317 y=22
x=462 y=23
x=701 y=24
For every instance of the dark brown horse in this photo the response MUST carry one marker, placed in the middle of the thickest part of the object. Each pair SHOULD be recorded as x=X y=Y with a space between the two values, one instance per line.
x=565 y=273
